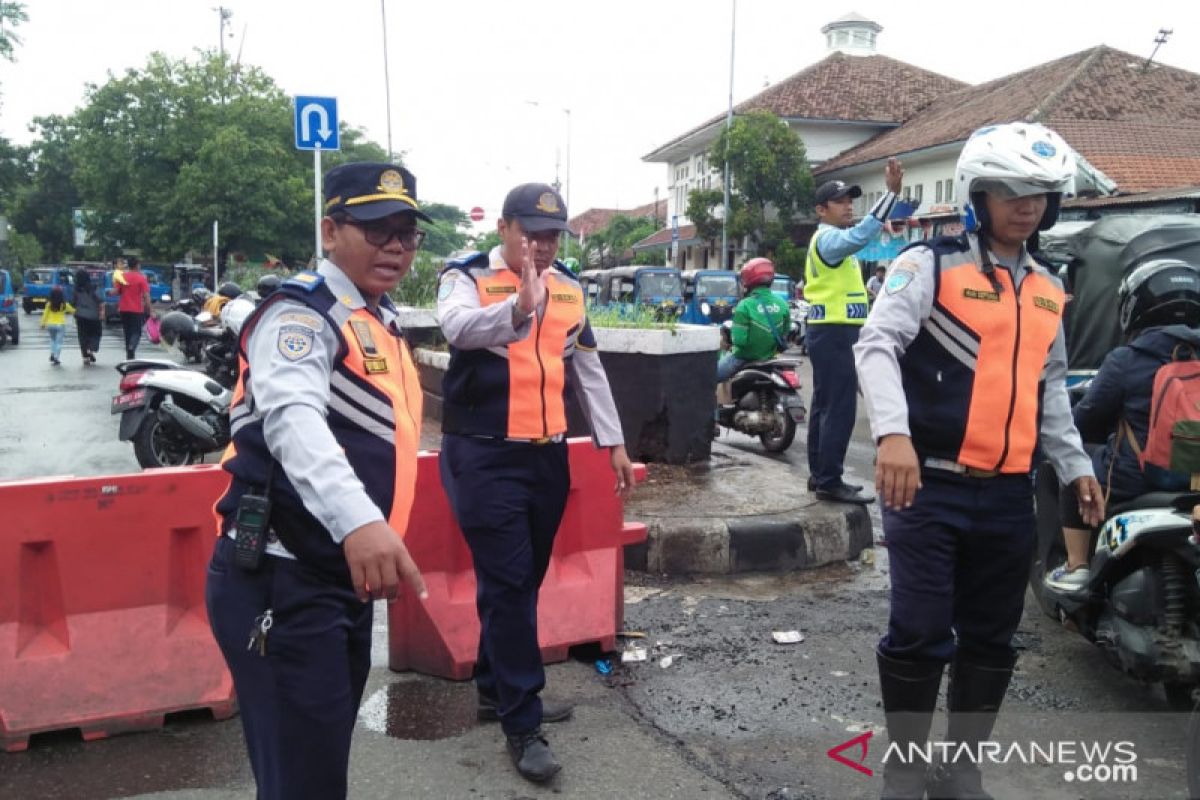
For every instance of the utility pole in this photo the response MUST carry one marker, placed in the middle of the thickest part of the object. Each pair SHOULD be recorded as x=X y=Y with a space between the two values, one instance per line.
x=387 y=84
x=225 y=15
x=728 y=125
x=1159 y=41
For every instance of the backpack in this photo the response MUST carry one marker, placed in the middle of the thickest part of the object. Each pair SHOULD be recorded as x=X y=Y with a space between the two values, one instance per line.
x=1172 y=448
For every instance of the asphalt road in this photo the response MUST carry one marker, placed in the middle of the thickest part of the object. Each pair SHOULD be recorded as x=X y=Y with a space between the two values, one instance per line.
x=730 y=715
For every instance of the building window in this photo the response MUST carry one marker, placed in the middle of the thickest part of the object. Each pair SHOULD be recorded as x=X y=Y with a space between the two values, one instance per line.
x=918 y=192
x=842 y=37
x=906 y=193
x=938 y=191
x=949 y=190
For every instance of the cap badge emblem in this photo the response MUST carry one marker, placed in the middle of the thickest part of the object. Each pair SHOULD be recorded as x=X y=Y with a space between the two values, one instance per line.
x=392 y=182
x=548 y=203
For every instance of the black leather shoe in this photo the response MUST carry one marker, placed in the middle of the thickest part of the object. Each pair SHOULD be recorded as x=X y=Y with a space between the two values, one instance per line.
x=551 y=711
x=531 y=756
x=812 y=485
x=844 y=494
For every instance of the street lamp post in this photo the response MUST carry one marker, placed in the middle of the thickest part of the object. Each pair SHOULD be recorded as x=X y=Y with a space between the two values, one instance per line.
x=728 y=124
x=567 y=182
x=387 y=84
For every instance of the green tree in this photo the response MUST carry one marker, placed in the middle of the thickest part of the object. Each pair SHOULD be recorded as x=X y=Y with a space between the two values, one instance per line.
x=608 y=247
x=11 y=15
x=24 y=250
x=160 y=152
x=42 y=206
x=447 y=232
x=769 y=176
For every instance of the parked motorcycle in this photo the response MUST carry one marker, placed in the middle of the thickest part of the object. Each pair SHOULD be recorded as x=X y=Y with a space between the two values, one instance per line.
x=798 y=332
x=765 y=402
x=173 y=414
x=1142 y=604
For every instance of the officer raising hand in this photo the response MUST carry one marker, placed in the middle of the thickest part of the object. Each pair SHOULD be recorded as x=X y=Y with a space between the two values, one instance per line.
x=518 y=338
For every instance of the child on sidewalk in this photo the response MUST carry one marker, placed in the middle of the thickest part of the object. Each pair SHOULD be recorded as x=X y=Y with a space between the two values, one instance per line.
x=54 y=319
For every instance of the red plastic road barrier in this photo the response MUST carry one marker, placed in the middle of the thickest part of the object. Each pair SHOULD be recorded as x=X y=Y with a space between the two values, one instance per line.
x=102 y=618
x=582 y=598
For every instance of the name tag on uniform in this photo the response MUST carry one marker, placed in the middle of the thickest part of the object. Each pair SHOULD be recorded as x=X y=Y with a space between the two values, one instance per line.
x=374 y=366
x=366 y=341
x=501 y=290
x=1046 y=303
x=978 y=294
x=564 y=298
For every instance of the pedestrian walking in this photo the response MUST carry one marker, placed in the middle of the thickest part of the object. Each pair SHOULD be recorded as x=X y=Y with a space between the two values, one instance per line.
x=838 y=306
x=963 y=369
x=89 y=315
x=326 y=425
x=54 y=320
x=133 y=304
x=518 y=335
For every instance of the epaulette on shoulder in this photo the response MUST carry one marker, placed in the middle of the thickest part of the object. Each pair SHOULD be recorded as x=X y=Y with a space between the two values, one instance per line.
x=307 y=280
x=565 y=271
x=464 y=262
x=941 y=244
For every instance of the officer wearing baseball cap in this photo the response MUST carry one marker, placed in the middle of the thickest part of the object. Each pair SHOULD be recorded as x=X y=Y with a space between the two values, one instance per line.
x=838 y=305
x=320 y=489
x=519 y=335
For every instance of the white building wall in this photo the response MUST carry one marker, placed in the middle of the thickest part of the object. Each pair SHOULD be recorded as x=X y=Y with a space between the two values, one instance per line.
x=921 y=178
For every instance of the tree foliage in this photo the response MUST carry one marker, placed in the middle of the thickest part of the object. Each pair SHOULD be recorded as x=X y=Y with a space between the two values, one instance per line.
x=769 y=175
x=447 y=232
x=11 y=15
x=608 y=247
x=42 y=205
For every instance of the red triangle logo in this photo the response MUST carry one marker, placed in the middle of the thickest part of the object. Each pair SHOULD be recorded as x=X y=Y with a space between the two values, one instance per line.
x=859 y=741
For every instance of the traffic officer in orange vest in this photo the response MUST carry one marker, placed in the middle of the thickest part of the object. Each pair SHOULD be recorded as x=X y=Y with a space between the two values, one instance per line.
x=326 y=422
x=962 y=365
x=519 y=336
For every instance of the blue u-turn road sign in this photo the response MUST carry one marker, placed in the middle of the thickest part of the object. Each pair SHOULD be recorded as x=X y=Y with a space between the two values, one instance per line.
x=316 y=123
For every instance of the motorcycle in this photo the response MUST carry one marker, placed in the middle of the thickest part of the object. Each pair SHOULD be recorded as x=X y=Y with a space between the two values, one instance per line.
x=798 y=331
x=1141 y=606
x=764 y=401
x=175 y=415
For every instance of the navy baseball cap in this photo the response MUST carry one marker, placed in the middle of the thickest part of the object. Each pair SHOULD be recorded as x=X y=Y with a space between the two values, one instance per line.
x=835 y=190
x=368 y=190
x=536 y=207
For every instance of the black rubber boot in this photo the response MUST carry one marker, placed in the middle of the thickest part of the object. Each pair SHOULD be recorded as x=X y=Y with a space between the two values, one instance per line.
x=530 y=753
x=910 y=690
x=973 y=699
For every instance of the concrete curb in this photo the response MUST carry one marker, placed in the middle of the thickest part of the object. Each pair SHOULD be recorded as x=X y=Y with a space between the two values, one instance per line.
x=812 y=536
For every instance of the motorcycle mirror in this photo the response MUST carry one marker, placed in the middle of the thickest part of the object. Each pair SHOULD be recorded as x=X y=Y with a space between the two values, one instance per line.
x=705 y=308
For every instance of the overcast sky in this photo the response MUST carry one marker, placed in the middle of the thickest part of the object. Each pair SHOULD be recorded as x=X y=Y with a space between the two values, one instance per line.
x=634 y=73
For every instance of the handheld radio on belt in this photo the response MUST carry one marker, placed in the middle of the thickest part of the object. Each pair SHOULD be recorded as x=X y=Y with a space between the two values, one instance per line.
x=253 y=522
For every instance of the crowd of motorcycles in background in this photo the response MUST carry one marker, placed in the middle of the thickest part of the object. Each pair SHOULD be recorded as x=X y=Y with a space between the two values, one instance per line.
x=173 y=413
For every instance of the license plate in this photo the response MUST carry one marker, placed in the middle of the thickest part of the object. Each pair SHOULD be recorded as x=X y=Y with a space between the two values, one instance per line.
x=124 y=402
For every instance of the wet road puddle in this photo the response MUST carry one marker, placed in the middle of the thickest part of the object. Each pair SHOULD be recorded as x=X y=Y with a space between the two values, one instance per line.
x=421 y=709
x=61 y=387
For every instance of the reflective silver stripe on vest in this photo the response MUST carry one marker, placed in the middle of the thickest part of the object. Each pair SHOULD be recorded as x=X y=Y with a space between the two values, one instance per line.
x=956 y=343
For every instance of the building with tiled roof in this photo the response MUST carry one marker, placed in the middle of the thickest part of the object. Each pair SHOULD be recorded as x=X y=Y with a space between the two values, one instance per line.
x=1137 y=124
x=596 y=219
x=847 y=98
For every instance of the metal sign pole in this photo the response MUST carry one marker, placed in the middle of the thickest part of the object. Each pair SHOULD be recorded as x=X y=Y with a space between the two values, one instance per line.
x=216 y=251
x=317 y=204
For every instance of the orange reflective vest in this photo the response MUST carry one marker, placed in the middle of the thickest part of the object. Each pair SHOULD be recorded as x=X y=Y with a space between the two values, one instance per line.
x=973 y=376
x=516 y=391
x=374 y=413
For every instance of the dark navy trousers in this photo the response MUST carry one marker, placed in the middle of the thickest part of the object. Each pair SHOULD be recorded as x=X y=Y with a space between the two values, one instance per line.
x=299 y=702
x=508 y=498
x=960 y=558
x=834 y=400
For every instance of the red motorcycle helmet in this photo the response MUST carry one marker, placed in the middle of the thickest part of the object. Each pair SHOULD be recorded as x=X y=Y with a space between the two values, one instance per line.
x=757 y=272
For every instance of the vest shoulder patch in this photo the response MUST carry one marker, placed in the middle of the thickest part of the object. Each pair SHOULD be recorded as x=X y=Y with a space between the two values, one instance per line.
x=898 y=281
x=307 y=280
x=295 y=341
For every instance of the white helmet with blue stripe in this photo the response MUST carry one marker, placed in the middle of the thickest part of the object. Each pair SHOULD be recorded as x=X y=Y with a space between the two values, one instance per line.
x=1017 y=159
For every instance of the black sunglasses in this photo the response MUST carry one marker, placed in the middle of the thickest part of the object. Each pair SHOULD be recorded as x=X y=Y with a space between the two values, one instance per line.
x=379 y=232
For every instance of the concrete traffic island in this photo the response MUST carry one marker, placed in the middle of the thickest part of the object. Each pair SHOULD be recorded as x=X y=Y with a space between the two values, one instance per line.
x=739 y=513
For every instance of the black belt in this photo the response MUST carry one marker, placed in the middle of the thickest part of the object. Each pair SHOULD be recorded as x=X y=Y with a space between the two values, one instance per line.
x=555 y=439
x=960 y=469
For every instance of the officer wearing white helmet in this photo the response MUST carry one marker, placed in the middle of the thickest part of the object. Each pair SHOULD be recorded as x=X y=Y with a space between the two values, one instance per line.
x=962 y=366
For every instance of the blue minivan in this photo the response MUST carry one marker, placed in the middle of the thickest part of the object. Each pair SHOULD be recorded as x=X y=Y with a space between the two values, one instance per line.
x=40 y=280
x=8 y=305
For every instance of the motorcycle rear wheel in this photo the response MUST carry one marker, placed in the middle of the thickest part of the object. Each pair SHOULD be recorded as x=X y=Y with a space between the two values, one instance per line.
x=778 y=439
x=153 y=446
x=1192 y=762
